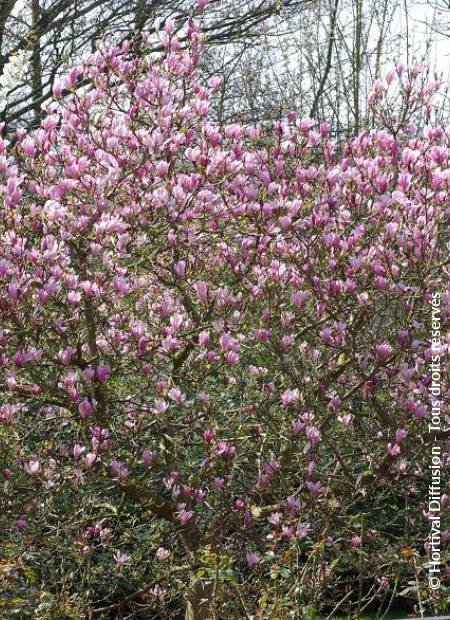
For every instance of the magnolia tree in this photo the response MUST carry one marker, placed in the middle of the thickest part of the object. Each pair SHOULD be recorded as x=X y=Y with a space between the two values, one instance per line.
x=214 y=351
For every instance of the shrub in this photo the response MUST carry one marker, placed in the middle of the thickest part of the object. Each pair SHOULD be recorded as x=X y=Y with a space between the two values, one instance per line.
x=215 y=348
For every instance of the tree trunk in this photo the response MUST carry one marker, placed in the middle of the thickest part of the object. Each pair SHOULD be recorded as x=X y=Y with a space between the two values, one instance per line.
x=199 y=599
x=357 y=63
x=328 y=61
x=36 y=63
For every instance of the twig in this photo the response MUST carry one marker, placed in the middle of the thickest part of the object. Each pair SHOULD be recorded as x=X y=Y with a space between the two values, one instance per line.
x=338 y=604
x=361 y=569
x=135 y=594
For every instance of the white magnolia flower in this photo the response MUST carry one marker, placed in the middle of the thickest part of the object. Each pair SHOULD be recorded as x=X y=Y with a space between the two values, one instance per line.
x=12 y=74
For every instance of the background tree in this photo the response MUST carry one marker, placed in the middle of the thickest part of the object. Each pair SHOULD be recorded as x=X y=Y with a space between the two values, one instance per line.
x=58 y=32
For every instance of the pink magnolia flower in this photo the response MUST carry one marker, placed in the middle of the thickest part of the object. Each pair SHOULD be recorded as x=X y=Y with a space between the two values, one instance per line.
x=335 y=403
x=65 y=355
x=119 y=469
x=162 y=553
x=225 y=450
x=383 y=351
x=302 y=530
x=297 y=426
x=89 y=373
x=90 y=459
x=78 y=451
x=326 y=336
x=121 y=559
x=180 y=268
x=32 y=467
x=201 y=288
x=21 y=524
x=85 y=408
x=355 y=542
x=198 y=496
x=161 y=406
x=393 y=449
x=287 y=341
x=315 y=488
x=28 y=147
x=345 y=420
x=271 y=468
x=232 y=358
x=208 y=435
x=239 y=504
x=313 y=434
x=289 y=396
x=275 y=518
x=400 y=434
x=74 y=298
x=252 y=559
x=183 y=515
x=148 y=457
x=293 y=505
x=262 y=335
x=176 y=395
x=157 y=592
x=384 y=582
x=204 y=338
x=120 y=284
x=102 y=373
